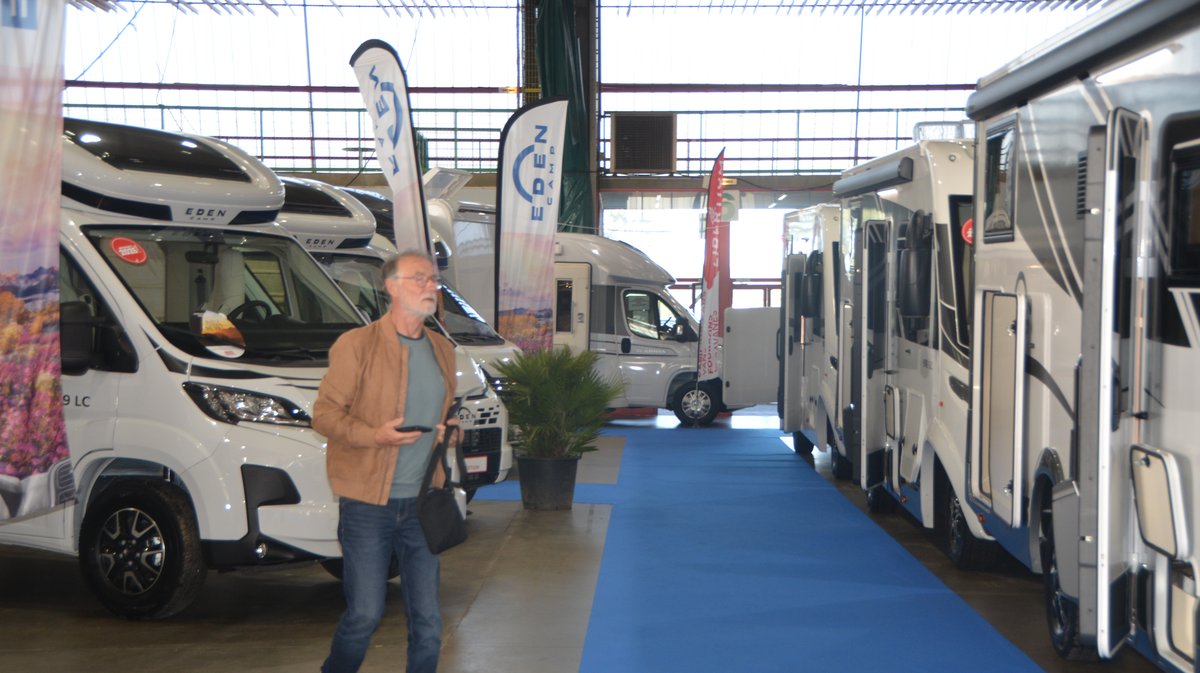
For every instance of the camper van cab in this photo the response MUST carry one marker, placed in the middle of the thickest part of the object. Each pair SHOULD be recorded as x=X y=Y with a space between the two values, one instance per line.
x=194 y=333
x=340 y=232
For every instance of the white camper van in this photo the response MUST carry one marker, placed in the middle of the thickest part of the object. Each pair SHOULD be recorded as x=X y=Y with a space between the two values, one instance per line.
x=903 y=367
x=1084 y=458
x=610 y=298
x=340 y=232
x=194 y=334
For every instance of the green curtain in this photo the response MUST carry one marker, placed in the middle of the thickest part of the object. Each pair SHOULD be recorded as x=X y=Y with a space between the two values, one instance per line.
x=560 y=69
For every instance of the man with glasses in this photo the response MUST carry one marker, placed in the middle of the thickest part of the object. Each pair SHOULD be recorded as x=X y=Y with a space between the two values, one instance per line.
x=381 y=406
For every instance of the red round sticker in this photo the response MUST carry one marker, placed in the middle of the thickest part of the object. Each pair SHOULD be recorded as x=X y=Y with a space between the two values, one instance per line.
x=128 y=250
x=968 y=231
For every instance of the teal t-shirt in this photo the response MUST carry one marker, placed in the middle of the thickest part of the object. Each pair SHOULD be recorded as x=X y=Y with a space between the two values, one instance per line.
x=422 y=406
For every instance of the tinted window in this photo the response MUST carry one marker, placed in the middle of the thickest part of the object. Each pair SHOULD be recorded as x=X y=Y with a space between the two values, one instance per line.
x=998 y=224
x=138 y=149
x=301 y=198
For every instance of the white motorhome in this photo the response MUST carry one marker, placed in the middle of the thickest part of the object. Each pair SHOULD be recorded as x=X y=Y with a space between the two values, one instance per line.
x=808 y=400
x=1084 y=458
x=194 y=334
x=903 y=365
x=339 y=230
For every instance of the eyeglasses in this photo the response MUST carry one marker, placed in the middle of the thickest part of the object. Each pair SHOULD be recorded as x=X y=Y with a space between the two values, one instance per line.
x=421 y=280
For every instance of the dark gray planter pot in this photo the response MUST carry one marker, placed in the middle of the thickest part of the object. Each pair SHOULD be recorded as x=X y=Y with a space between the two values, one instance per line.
x=547 y=484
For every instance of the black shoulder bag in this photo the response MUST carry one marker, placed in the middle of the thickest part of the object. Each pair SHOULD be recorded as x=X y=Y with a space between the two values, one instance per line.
x=437 y=508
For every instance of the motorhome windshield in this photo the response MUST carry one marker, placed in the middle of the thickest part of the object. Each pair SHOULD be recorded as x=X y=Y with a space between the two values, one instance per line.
x=245 y=295
x=463 y=322
x=359 y=278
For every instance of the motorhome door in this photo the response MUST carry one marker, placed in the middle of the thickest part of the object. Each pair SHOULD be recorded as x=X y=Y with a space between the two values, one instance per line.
x=1163 y=396
x=997 y=450
x=876 y=361
x=793 y=403
x=572 y=295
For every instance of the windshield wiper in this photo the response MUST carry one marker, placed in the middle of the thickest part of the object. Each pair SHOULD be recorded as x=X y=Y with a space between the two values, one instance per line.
x=287 y=353
x=472 y=337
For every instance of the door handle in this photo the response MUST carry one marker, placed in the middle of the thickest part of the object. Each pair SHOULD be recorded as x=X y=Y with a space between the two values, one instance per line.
x=833 y=361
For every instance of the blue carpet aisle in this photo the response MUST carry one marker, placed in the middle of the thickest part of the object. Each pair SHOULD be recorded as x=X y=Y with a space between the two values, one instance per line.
x=726 y=552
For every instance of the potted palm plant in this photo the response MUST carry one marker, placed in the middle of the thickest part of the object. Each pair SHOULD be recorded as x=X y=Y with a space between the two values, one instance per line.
x=557 y=404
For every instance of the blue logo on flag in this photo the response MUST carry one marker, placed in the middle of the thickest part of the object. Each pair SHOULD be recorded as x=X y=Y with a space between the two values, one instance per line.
x=18 y=14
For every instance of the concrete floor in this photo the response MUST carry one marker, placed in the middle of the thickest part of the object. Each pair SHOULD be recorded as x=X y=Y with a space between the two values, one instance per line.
x=524 y=580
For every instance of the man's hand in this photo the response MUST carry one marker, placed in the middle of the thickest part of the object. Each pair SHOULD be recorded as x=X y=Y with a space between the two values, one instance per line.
x=386 y=434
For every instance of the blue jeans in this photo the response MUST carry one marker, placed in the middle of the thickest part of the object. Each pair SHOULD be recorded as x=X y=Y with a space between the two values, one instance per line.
x=370 y=536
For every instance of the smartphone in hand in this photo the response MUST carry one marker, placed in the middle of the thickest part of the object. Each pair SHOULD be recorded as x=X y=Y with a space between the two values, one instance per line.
x=413 y=428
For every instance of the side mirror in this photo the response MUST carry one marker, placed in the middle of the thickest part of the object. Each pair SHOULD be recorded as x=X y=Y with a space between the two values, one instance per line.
x=684 y=332
x=76 y=336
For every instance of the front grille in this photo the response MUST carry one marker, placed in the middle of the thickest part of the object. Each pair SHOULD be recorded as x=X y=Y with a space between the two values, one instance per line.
x=485 y=443
x=475 y=442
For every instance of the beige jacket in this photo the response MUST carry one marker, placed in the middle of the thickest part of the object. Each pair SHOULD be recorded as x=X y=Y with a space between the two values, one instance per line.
x=366 y=385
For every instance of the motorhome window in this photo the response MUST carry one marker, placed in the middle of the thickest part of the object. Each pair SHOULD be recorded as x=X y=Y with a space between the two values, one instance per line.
x=916 y=278
x=279 y=300
x=562 y=305
x=139 y=149
x=113 y=348
x=814 y=292
x=1185 y=216
x=998 y=187
x=850 y=226
x=962 y=268
x=302 y=198
x=647 y=315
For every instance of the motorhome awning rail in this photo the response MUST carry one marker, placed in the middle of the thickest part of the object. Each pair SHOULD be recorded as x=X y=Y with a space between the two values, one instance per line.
x=1137 y=26
x=874 y=178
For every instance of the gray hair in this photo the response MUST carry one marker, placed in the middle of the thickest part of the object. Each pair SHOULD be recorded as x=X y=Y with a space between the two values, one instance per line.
x=389 y=267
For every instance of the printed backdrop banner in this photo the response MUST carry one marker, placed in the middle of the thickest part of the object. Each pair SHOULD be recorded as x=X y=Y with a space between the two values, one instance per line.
x=384 y=88
x=33 y=443
x=528 y=185
x=716 y=287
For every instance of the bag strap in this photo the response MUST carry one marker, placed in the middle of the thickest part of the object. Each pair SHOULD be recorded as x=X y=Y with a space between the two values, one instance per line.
x=439 y=455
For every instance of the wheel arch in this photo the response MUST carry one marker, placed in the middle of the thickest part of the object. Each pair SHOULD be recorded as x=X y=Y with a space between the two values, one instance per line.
x=94 y=477
x=688 y=377
x=952 y=468
x=1050 y=472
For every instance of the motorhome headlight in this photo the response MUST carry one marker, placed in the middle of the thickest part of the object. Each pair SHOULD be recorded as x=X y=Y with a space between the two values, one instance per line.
x=230 y=405
x=498 y=383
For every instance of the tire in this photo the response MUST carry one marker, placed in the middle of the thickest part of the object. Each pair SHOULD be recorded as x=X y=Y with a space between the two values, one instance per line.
x=695 y=405
x=965 y=551
x=879 y=501
x=1062 y=614
x=139 y=549
x=801 y=445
